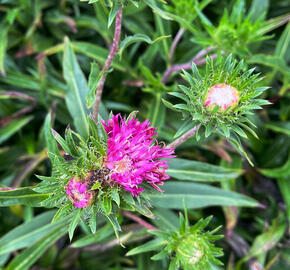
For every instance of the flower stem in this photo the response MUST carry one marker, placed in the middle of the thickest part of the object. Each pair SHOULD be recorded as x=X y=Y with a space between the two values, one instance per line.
x=187 y=65
x=197 y=60
x=183 y=138
x=140 y=221
x=175 y=43
x=112 y=53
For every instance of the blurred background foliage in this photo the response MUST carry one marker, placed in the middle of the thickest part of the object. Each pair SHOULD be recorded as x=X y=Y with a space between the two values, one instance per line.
x=252 y=203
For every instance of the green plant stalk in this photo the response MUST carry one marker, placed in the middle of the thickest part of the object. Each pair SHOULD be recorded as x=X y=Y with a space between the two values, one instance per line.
x=183 y=138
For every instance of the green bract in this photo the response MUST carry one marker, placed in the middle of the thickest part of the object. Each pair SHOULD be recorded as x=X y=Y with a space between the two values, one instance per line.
x=189 y=248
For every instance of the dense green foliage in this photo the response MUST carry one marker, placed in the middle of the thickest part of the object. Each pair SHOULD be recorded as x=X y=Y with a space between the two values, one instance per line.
x=236 y=168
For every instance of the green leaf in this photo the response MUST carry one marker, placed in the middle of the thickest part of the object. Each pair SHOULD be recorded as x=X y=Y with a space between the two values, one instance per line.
x=156 y=112
x=74 y=223
x=102 y=134
x=3 y=46
x=155 y=244
x=283 y=171
x=77 y=90
x=282 y=127
x=284 y=185
x=239 y=131
x=26 y=234
x=283 y=45
x=197 y=196
x=166 y=219
x=183 y=169
x=96 y=185
x=115 y=224
x=186 y=126
x=157 y=10
x=49 y=139
x=235 y=141
x=93 y=219
x=258 y=8
x=115 y=196
x=113 y=12
x=90 y=1
x=100 y=235
x=106 y=205
x=71 y=143
x=28 y=257
x=94 y=78
x=61 y=141
x=268 y=239
x=143 y=210
x=159 y=256
x=138 y=38
x=272 y=61
x=12 y=127
x=23 y=196
x=170 y=105
x=173 y=264
x=99 y=54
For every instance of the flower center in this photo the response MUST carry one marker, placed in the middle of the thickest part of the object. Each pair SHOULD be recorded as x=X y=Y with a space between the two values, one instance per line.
x=123 y=165
x=222 y=95
x=77 y=195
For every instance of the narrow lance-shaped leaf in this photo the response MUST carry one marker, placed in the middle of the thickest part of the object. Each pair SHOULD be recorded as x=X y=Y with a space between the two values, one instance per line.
x=23 y=196
x=77 y=90
x=138 y=38
x=29 y=256
x=155 y=244
x=94 y=78
x=157 y=111
x=283 y=171
x=3 y=46
x=183 y=169
x=49 y=139
x=27 y=234
x=197 y=196
x=74 y=223
x=12 y=127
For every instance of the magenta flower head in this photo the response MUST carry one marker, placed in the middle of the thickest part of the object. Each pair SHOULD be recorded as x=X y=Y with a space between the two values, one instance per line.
x=134 y=156
x=78 y=193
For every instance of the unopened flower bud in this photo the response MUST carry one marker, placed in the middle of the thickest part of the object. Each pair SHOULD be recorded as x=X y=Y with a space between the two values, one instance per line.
x=190 y=251
x=78 y=193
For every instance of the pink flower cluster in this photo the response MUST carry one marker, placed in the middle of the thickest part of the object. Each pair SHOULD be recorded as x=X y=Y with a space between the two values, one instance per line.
x=78 y=193
x=133 y=156
x=222 y=95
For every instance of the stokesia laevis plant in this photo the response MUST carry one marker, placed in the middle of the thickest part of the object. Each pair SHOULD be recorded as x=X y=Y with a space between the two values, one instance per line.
x=120 y=159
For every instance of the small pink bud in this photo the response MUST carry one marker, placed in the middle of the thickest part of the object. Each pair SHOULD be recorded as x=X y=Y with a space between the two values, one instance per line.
x=222 y=95
x=78 y=193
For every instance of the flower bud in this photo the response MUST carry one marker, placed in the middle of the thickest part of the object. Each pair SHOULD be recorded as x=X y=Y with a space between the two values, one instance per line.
x=78 y=193
x=190 y=251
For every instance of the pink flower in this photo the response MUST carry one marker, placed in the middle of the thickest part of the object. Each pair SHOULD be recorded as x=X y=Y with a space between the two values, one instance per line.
x=134 y=155
x=78 y=193
x=222 y=95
